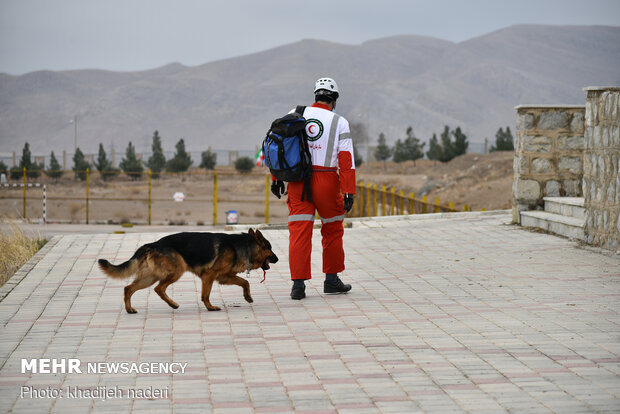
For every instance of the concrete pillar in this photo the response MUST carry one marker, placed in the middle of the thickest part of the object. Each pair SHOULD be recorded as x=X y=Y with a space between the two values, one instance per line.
x=601 y=180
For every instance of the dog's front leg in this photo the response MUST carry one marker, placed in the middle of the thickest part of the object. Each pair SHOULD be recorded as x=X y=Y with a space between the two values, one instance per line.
x=207 y=283
x=233 y=279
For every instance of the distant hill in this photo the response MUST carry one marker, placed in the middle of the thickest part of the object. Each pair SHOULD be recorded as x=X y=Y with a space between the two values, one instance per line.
x=387 y=84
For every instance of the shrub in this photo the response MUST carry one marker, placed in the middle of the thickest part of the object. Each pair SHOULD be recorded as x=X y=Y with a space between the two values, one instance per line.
x=244 y=165
x=209 y=159
x=15 y=250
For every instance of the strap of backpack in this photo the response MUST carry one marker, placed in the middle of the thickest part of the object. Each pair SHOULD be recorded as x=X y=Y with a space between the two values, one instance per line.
x=300 y=109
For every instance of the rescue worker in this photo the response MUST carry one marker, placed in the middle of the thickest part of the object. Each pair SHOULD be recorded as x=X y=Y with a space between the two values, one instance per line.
x=333 y=189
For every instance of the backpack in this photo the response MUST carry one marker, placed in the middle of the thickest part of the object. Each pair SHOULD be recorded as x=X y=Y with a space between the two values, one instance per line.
x=286 y=150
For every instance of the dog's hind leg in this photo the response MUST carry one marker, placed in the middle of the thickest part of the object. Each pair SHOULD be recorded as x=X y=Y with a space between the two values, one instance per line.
x=207 y=283
x=143 y=280
x=160 y=289
x=239 y=281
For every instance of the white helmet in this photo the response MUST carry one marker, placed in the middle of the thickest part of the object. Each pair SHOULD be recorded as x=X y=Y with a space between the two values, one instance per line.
x=326 y=84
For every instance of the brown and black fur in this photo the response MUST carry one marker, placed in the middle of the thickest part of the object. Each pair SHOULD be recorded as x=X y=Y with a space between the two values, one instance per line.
x=210 y=256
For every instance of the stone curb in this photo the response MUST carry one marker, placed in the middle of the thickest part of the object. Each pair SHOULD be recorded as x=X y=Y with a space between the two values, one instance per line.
x=356 y=221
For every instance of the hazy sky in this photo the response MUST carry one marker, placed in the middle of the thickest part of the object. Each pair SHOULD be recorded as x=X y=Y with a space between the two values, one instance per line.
x=127 y=35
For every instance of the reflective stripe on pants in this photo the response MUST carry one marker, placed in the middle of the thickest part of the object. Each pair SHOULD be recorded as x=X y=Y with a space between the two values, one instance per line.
x=329 y=203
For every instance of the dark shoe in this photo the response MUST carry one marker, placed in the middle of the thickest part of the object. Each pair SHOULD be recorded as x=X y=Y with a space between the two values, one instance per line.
x=335 y=287
x=298 y=293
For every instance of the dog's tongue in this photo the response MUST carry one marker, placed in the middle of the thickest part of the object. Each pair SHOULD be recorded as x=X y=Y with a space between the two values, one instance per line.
x=265 y=265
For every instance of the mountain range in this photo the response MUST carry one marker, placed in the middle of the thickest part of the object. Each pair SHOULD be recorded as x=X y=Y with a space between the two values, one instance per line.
x=387 y=84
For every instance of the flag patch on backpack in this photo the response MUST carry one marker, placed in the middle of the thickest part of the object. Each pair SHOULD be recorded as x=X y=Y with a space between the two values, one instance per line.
x=286 y=151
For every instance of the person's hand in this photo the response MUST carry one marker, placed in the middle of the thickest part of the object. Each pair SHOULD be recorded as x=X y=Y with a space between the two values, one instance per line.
x=348 y=202
x=277 y=188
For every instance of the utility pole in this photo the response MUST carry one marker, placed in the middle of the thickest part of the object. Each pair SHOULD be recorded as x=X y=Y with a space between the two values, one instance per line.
x=74 y=122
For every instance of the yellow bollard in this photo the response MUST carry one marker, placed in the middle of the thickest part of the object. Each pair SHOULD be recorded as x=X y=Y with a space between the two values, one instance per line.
x=267 y=191
x=383 y=193
x=451 y=205
x=437 y=209
x=411 y=204
x=214 y=198
x=368 y=200
x=374 y=200
x=361 y=202
x=402 y=202
x=465 y=208
x=393 y=206
x=150 y=174
x=24 y=193
x=424 y=201
x=483 y=209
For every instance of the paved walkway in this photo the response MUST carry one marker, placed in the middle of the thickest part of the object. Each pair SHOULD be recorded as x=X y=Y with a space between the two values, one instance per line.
x=467 y=314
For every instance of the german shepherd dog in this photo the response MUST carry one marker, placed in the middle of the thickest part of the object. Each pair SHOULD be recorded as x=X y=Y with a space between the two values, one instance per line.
x=210 y=256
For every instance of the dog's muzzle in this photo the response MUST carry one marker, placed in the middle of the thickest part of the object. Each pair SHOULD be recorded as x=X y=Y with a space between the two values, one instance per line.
x=271 y=259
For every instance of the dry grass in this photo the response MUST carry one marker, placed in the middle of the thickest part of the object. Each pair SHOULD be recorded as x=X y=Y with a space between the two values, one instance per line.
x=15 y=250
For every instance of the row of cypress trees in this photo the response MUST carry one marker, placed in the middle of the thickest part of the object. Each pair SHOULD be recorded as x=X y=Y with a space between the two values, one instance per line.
x=451 y=144
x=130 y=164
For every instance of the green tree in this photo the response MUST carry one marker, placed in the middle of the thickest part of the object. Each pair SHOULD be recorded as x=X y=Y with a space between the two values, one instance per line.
x=400 y=154
x=459 y=147
x=104 y=165
x=33 y=170
x=131 y=165
x=80 y=165
x=16 y=173
x=382 y=152
x=157 y=161
x=3 y=168
x=504 y=141
x=209 y=159
x=416 y=148
x=54 y=170
x=447 y=149
x=409 y=149
x=434 y=149
x=181 y=160
x=244 y=165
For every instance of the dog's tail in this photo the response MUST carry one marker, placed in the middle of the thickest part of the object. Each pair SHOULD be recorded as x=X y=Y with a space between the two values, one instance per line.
x=123 y=270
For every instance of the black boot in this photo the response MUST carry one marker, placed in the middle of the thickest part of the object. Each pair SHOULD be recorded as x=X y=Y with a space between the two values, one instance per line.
x=335 y=285
x=298 y=291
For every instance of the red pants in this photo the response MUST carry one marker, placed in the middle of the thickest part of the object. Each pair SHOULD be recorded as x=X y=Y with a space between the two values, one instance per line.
x=329 y=202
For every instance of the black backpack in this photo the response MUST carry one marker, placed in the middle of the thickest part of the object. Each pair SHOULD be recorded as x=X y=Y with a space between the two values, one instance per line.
x=286 y=150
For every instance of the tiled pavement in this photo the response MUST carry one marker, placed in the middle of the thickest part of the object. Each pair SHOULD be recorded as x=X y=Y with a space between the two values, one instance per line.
x=467 y=314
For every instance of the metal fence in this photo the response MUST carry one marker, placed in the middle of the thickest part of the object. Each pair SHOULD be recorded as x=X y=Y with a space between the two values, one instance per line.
x=203 y=197
x=374 y=200
x=65 y=158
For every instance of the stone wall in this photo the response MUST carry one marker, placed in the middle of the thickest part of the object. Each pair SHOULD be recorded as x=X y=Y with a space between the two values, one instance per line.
x=548 y=159
x=601 y=181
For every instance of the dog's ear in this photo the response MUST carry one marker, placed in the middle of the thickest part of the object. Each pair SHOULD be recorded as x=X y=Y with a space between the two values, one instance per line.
x=260 y=235
x=251 y=232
